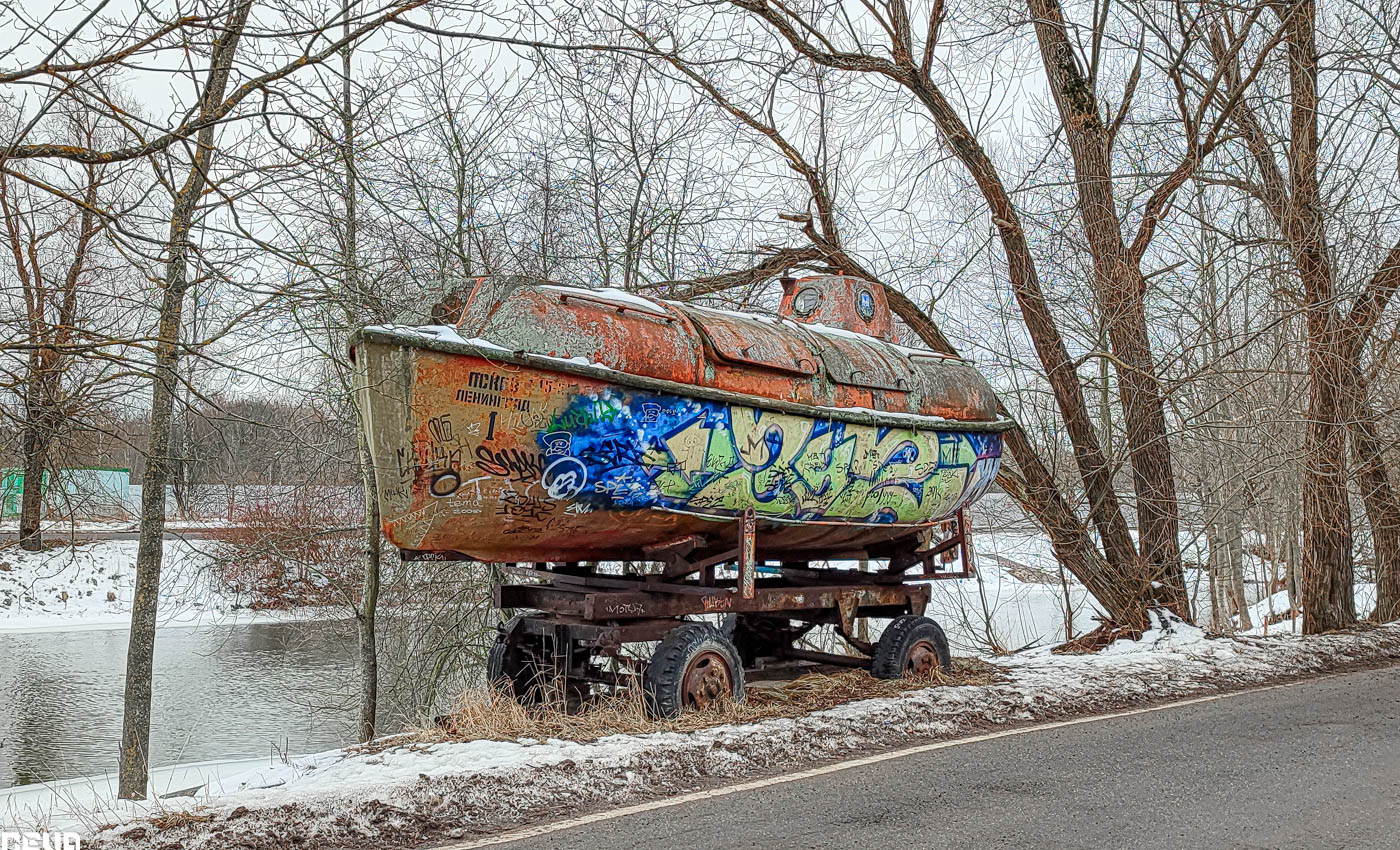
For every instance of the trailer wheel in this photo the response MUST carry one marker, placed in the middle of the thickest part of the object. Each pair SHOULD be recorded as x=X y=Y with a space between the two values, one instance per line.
x=694 y=667
x=911 y=646
x=512 y=665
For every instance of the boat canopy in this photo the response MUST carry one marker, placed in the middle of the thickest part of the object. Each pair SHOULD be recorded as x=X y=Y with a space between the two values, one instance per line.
x=829 y=344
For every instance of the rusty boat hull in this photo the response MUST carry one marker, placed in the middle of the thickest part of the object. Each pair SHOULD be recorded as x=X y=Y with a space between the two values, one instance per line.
x=506 y=455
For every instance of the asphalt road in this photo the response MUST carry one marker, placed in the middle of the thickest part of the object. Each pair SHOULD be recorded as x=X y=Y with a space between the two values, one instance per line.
x=1313 y=765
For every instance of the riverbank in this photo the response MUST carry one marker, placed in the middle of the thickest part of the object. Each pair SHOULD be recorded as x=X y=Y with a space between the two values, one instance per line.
x=411 y=790
x=89 y=585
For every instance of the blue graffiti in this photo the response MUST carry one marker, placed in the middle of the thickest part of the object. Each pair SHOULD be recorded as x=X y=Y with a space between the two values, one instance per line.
x=718 y=459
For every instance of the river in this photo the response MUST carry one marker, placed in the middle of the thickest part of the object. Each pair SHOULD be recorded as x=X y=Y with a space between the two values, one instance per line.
x=233 y=691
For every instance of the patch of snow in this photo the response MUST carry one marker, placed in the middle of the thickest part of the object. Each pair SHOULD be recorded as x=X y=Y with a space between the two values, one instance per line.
x=1167 y=633
x=1016 y=599
x=63 y=526
x=85 y=803
x=446 y=333
x=738 y=314
x=927 y=353
x=620 y=296
x=1363 y=594
x=580 y=361
x=577 y=361
x=818 y=327
x=931 y=421
x=867 y=338
x=79 y=527
x=915 y=418
x=478 y=342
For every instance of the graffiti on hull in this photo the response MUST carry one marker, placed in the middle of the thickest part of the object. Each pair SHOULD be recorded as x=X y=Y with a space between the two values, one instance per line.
x=616 y=450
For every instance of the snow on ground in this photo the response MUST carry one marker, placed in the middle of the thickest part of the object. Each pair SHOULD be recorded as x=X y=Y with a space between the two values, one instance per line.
x=410 y=792
x=204 y=505
x=1016 y=601
x=90 y=585
x=64 y=526
x=1363 y=593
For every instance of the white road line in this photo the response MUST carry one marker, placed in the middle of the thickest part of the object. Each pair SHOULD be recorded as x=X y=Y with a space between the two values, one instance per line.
x=697 y=796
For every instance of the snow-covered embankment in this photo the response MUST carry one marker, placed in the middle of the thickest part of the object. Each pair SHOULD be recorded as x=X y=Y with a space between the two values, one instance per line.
x=415 y=791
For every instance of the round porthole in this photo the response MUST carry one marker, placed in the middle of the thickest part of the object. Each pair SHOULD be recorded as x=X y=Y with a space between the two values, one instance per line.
x=865 y=305
x=805 y=302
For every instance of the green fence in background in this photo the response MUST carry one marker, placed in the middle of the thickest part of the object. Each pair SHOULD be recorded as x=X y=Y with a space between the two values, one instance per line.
x=11 y=487
x=86 y=492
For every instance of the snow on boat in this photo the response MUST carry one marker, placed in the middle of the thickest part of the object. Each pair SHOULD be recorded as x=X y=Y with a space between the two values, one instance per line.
x=548 y=423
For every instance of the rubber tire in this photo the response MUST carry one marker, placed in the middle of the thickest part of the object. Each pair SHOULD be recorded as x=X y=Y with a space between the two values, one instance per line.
x=663 y=679
x=899 y=638
x=508 y=670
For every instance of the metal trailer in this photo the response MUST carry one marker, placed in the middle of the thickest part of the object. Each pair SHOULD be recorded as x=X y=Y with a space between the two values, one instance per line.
x=583 y=617
x=579 y=618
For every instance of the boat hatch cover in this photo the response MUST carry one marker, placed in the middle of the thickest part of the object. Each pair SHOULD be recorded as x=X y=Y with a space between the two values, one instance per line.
x=740 y=339
x=860 y=362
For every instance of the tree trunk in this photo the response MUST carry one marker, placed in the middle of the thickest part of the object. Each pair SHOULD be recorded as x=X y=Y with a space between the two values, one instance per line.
x=136 y=714
x=1293 y=569
x=178 y=469
x=1067 y=602
x=1327 y=600
x=43 y=389
x=1232 y=531
x=136 y=710
x=1131 y=577
x=369 y=599
x=1334 y=343
x=369 y=591
x=1215 y=568
x=1094 y=468
x=1121 y=287
x=1037 y=492
x=35 y=448
x=1327 y=593
x=1105 y=407
x=1382 y=504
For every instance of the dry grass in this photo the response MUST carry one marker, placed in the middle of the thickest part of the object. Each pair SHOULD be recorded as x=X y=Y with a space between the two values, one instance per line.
x=286 y=555
x=495 y=716
x=1094 y=641
x=1281 y=617
x=176 y=819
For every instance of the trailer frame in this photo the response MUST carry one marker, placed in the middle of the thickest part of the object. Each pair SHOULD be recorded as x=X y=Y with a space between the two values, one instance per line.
x=572 y=614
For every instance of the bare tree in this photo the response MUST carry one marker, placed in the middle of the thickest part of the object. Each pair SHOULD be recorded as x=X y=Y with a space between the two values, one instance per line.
x=1156 y=575
x=1130 y=580
x=1292 y=194
x=136 y=717
x=194 y=133
x=51 y=292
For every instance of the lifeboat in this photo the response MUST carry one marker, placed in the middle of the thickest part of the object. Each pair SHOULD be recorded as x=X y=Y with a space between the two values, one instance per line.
x=542 y=423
